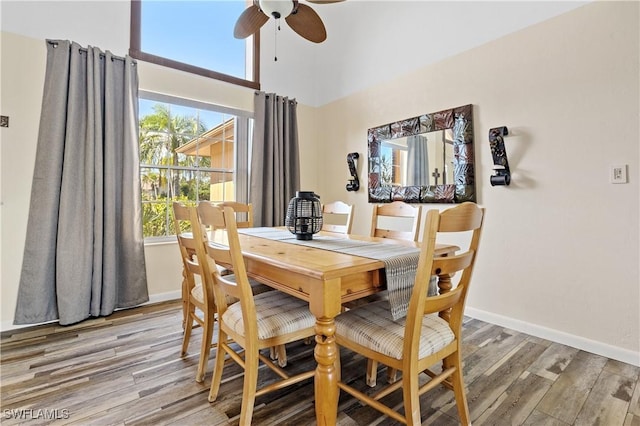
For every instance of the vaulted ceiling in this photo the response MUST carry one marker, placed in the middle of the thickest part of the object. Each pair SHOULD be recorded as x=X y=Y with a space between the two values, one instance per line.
x=369 y=42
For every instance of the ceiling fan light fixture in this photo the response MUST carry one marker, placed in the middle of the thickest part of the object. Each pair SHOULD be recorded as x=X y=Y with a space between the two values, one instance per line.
x=276 y=8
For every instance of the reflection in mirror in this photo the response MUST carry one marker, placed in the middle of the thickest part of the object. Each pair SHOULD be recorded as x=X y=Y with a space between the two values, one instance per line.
x=420 y=160
x=425 y=159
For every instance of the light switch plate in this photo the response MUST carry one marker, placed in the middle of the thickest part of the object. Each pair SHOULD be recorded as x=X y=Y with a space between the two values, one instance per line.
x=618 y=173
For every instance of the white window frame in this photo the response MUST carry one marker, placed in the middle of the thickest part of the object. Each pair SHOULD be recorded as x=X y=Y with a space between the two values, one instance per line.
x=241 y=170
x=252 y=54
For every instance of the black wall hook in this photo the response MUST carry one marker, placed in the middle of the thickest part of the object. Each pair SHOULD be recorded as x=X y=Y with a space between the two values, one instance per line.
x=502 y=174
x=354 y=183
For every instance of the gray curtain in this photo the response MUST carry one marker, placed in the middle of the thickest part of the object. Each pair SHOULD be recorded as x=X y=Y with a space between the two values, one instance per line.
x=275 y=163
x=417 y=161
x=84 y=252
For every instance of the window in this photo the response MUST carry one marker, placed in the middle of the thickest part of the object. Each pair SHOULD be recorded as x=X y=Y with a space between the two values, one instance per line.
x=196 y=37
x=189 y=151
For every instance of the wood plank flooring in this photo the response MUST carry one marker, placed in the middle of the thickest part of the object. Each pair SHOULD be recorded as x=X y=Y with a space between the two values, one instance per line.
x=126 y=370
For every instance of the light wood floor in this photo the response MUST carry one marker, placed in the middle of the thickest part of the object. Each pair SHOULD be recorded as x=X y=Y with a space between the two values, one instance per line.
x=126 y=369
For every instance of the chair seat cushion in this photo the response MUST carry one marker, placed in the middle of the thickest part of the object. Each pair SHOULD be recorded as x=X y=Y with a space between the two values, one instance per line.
x=373 y=327
x=277 y=313
x=256 y=286
x=197 y=293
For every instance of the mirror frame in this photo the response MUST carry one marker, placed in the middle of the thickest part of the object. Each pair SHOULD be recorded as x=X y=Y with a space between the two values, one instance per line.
x=460 y=120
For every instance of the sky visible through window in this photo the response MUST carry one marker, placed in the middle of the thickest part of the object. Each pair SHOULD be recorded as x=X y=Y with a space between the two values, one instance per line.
x=195 y=32
x=199 y=33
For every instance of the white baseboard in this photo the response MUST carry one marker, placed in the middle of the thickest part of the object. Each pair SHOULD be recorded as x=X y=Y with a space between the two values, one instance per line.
x=154 y=298
x=599 y=348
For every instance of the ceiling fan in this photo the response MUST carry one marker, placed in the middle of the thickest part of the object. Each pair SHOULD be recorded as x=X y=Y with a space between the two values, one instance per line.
x=301 y=18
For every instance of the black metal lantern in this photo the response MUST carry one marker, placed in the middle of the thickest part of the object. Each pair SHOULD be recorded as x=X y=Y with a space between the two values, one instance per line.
x=304 y=215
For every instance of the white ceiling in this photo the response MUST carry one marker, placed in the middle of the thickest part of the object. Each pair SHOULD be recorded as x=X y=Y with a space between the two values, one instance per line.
x=369 y=42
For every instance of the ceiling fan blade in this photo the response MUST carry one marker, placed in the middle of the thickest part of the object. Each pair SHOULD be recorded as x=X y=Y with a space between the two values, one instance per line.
x=249 y=22
x=306 y=22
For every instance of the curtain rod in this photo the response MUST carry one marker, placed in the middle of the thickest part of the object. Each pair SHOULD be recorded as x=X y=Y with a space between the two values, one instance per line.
x=85 y=50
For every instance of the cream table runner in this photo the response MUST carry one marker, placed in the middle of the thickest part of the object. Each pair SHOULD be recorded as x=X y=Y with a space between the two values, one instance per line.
x=401 y=262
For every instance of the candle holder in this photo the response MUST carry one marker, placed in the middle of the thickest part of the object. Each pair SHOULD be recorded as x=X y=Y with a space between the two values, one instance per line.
x=304 y=215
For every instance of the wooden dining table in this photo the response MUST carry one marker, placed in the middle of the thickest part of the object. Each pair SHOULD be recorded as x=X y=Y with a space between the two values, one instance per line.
x=326 y=279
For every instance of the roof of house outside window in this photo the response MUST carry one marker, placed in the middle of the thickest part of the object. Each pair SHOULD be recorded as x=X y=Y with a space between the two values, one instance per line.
x=224 y=132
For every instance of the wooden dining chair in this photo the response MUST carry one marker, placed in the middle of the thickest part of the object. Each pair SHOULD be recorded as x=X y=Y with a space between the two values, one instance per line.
x=337 y=212
x=198 y=301
x=182 y=224
x=256 y=322
x=396 y=212
x=387 y=222
x=244 y=212
x=431 y=330
x=244 y=219
x=197 y=291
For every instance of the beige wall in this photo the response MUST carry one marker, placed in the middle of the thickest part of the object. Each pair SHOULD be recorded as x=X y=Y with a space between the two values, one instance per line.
x=22 y=64
x=560 y=249
x=559 y=256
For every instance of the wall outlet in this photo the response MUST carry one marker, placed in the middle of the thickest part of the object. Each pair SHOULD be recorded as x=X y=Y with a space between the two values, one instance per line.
x=618 y=174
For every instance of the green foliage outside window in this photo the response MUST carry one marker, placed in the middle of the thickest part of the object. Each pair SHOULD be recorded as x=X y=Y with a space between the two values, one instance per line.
x=166 y=175
x=157 y=217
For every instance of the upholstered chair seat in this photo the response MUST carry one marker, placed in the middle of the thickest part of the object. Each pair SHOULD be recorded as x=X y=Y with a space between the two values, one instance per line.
x=275 y=313
x=372 y=327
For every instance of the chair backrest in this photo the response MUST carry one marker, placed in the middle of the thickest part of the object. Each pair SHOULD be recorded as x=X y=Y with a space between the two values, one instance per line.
x=337 y=211
x=182 y=227
x=244 y=213
x=396 y=210
x=186 y=230
x=225 y=252
x=466 y=217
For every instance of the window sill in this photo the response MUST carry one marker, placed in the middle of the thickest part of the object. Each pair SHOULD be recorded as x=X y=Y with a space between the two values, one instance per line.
x=160 y=241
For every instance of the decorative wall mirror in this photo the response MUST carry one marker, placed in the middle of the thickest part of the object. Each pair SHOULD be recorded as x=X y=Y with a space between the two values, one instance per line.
x=425 y=159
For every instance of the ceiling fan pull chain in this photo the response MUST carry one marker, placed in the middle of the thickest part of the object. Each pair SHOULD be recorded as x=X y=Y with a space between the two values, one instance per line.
x=275 y=36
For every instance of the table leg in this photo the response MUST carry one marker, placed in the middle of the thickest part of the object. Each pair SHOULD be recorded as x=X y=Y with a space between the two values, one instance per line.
x=444 y=286
x=326 y=378
x=325 y=306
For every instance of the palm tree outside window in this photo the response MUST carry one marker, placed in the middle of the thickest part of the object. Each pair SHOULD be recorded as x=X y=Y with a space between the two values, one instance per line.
x=187 y=154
